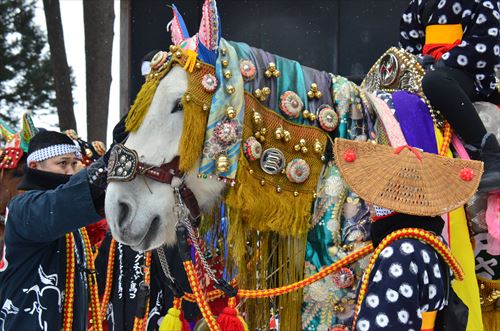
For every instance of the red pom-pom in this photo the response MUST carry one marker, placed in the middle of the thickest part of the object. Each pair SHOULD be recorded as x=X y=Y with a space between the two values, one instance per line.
x=350 y=155
x=467 y=174
x=230 y=321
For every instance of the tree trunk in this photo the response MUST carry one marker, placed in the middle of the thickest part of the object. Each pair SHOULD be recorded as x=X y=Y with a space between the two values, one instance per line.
x=98 y=17
x=59 y=64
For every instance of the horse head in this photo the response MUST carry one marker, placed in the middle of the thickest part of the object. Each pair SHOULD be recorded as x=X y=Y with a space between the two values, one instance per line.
x=140 y=211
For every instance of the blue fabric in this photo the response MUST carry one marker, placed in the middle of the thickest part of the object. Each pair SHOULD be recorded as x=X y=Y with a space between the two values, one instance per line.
x=407 y=279
x=32 y=276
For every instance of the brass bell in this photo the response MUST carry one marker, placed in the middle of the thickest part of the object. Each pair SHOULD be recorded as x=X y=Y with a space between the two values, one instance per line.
x=222 y=163
x=263 y=131
x=257 y=118
x=278 y=134
x=173 y=48
x=262 y=182
x=198 y=65
x=306 y=113
x=304 y=149
x=178 y=54
x=278 y=189
x=257 y=93
x=302 y=142
x=318 y=147
x=271 y=71
x=266 y=91
x=231 y=112
x=313 y=117
x=230 y=89
x=223 y=51
x=287 y=136
x=227 y=74
x=314 y=92
x=187 y=97
x=205 y=107
x=257 y=134
x=297 y=147
x=225 y=63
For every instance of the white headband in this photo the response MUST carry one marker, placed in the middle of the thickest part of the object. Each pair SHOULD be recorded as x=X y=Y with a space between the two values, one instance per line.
x=145 y=68
x=53 y=151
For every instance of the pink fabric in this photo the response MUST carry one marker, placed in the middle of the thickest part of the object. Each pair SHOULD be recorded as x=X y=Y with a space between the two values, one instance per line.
x=391 y=125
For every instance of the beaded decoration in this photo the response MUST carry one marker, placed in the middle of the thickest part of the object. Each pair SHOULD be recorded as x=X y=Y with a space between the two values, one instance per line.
x=227 y=132
x=252 y=148
x=298 y=171
x=290 y=104
x=247 y=69
x=209 y=82
x=328 y=118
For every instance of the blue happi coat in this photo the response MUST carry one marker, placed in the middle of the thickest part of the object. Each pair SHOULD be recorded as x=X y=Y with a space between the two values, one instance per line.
x=32 y=270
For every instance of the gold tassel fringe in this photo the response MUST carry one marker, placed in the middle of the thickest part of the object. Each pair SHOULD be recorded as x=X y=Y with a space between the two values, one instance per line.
x=263 y=209
x=193 y=134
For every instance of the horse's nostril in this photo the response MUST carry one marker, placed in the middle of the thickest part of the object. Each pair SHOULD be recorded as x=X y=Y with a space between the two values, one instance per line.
x=124 y=209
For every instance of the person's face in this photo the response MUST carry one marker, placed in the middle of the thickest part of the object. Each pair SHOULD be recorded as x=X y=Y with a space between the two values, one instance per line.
x=66 y=164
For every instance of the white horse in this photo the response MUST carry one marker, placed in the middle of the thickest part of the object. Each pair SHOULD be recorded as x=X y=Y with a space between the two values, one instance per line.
x=140 y=212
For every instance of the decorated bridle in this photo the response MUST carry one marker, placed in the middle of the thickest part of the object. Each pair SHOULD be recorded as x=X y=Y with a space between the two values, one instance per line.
x=124 y=166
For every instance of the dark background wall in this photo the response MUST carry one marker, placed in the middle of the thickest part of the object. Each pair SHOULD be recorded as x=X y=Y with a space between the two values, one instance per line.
x=340 y=36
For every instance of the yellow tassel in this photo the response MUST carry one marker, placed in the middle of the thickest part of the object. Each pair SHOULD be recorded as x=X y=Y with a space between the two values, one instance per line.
x=172 y=321
x=193 y=134
x=191 y=60
x=142 y=102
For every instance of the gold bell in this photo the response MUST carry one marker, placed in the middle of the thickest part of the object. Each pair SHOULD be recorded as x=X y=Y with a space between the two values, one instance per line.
x=225 y=63
x=205 y=107
x=318 y=147
x=272 y=71
x=231 y=112
x=187 y=97
x=278 y=189
x=223 y=51
x=287 y=136
x=313 y=117
x=266 y=91
x=230 y=89
x=314 y=92
x=198 y=65
x=257 y=93
x=257 y=118
x=306 y=113
x=222 y=163
x=262 y=182
x=227 y=74
x=279 y=134
x=173 y=48
x=304 y=149
x=178 y=54
x=263 y=131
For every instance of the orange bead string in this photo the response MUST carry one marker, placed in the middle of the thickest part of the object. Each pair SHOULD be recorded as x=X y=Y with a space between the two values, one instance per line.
x=109 y=280
x=140 y=323
x=447 y=134
x=69 y=287
x=349 y=259
x=92 y=283
x=414 y=233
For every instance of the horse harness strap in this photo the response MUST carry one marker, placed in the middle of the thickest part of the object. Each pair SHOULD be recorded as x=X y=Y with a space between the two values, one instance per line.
x=124 y=166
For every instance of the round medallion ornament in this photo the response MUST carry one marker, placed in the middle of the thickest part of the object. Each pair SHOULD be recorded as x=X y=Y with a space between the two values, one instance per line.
x=272 y=161
x=158 y=60
x=328 y=118
x=343 y=278
x=226 y=132
x=252 y=148
x=209 y=83
x=388 y=69
x=290 y=104
x=247 y=69
x=297 y=171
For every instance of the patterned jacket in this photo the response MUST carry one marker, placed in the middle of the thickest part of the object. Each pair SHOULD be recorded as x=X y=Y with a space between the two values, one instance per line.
x=479 y=50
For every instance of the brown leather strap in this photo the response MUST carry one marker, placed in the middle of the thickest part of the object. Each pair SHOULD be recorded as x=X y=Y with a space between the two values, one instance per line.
x=164 y=173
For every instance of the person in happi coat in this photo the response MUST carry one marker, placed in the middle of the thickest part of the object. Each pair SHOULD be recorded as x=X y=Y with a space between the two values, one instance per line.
x=47 y=266
x=459 y=40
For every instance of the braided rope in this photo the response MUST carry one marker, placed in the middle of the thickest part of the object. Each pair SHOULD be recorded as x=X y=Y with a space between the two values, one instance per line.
x=109 y=280
x=443 y=149
x=95 y=322
x=414 y=233
x=140 y=323
x=69 y=287
x=200 y=298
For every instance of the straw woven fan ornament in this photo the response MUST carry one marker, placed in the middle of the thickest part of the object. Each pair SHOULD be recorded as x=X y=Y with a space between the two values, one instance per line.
x=405 y=179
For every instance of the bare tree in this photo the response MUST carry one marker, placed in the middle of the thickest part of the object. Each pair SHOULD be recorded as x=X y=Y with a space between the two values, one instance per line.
x=59 y=64
x=98 y=16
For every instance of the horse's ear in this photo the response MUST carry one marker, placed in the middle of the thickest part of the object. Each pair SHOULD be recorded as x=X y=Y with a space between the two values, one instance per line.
x=27 y=131
x=7 y=132
x=177 y=27
x=210 y=28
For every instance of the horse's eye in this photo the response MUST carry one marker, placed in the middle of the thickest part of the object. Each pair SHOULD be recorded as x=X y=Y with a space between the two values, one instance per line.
x=177 y=108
